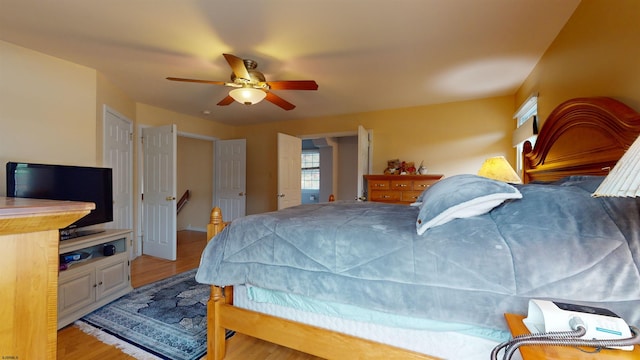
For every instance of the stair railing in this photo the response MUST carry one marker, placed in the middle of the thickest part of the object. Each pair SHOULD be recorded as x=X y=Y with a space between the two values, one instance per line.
x=183 y=200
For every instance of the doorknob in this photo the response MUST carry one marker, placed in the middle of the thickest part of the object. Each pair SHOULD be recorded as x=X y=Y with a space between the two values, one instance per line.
x=170 y=198
x=280 y=195
x=242 y=193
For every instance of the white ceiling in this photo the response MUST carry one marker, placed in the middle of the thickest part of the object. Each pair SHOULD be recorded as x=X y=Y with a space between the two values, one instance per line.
x=365 y=55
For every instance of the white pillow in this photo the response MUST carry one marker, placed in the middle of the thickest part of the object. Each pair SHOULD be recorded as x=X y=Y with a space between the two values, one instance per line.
x=461 y=196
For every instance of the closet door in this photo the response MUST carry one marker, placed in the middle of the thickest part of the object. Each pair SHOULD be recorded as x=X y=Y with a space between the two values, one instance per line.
x=231 y=178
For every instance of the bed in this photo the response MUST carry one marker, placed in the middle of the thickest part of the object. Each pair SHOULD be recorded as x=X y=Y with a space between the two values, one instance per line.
x=452 y=272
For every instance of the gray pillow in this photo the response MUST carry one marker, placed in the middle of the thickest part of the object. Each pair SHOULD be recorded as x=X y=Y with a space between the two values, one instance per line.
x=461 y=196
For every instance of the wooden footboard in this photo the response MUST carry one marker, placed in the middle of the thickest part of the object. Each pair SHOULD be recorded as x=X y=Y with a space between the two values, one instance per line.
x=309 y=339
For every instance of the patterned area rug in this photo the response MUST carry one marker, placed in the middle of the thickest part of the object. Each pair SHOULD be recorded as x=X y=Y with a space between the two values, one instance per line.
x=166 y=319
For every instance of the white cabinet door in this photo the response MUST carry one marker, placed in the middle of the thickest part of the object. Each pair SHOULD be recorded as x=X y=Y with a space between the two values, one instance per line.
x=76 y=290
x=112 y=277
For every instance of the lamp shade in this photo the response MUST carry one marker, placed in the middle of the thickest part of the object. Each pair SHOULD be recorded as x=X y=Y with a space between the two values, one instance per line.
x=624 y=178
x=498 y=168
x=247 y=95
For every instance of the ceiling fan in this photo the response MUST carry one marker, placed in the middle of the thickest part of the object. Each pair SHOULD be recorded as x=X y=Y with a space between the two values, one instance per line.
x=250 y=85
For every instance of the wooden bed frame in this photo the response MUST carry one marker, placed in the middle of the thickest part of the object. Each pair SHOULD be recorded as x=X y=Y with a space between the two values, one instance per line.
x=584 y=136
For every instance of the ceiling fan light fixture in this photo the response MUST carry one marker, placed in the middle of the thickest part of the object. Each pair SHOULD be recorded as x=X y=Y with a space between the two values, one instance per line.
x=247 y=95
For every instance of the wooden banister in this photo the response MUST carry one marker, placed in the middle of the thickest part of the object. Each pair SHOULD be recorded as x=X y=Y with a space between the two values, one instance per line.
x=183 y=200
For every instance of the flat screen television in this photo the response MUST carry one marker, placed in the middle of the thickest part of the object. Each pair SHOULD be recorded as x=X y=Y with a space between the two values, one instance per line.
x=64 y=182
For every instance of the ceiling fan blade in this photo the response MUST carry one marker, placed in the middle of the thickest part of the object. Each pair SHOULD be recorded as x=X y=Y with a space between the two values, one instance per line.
x=271 y=97
x=293 y=85
x=226 y=101
x=237 y=65
x=197 y=81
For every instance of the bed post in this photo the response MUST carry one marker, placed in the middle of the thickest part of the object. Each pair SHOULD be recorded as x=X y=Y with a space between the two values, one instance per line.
x=215 y=224
x=215 y=333
x=526 y=162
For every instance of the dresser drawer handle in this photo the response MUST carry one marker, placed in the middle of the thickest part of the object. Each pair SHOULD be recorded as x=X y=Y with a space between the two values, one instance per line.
x=424 y=185
x=402 y=185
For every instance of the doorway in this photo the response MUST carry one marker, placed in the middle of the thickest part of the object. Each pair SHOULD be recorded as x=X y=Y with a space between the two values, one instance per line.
x=193 y=172
x=195 y=178
x=338 y=168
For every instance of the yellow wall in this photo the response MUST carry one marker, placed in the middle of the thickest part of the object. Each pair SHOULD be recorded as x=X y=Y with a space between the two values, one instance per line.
x=47 y=110
x=451 y=139
x=597 y=53
x=195 y=173
x=148 y=115
x=109 y=94
x=50 y=109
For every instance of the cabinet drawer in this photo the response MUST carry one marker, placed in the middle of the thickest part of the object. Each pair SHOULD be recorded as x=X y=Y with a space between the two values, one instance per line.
x=398 y=189
x=410 y=196
x=379 y=184
x=388 y=195
x=401 y=184
x=421 y=185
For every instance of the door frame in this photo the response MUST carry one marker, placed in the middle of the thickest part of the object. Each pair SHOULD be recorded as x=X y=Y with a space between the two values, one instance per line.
x=345 y=134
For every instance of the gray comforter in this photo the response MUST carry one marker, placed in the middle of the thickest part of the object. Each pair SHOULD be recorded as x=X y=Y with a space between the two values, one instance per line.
x=556 y=242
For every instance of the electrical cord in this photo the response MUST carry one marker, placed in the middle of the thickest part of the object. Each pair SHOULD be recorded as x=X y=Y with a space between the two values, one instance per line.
x=538 y=336
x=562 y=338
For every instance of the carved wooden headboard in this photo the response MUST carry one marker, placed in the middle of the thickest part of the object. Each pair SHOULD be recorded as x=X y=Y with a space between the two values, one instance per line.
x=582 y=136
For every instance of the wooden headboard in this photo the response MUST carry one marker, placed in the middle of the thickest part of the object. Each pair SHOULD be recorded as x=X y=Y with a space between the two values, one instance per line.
x=582 y=136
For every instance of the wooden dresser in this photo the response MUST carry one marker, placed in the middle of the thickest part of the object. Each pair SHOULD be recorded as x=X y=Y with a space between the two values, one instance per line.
x=398 y=189
x=29 y=240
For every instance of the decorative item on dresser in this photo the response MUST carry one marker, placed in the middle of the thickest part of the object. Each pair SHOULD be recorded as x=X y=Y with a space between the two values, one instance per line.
x=398 y=189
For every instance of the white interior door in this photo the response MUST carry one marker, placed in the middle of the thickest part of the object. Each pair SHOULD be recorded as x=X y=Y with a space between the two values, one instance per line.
x=230 y=178
x=159 y=192
x=118 y=155
x=364 y=159
x=289 y=171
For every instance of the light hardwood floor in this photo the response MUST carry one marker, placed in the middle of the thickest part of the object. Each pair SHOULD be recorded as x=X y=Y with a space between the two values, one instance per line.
x=74 y=344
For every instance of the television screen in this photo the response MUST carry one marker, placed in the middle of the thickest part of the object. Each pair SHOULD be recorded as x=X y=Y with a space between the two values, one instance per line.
x=62 y=182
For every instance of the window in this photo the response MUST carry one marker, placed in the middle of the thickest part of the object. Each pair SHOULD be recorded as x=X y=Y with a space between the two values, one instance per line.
x=310 y=170
x=524 y=113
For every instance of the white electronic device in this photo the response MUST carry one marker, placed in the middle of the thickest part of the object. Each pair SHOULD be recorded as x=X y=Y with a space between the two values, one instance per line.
x=545 y=316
